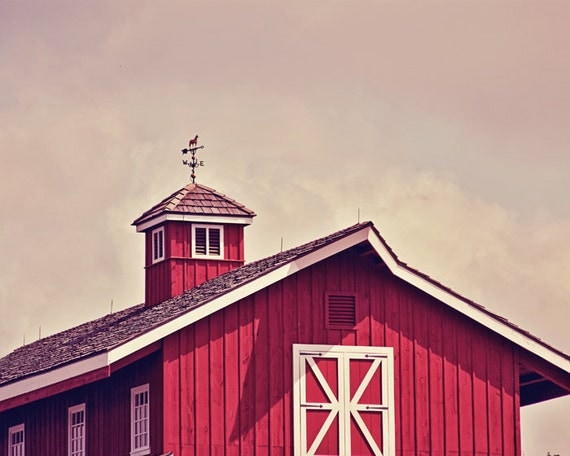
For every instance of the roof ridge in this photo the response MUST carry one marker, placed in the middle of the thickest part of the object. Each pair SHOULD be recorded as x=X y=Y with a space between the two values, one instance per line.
x=176 y=198
x=224 y=196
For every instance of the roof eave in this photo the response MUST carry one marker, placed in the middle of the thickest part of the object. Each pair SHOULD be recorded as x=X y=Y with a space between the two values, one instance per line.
x=95 y=363
x=145 y=225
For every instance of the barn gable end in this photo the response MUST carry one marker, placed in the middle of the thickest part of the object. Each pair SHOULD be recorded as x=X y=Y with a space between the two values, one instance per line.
x=443 y=364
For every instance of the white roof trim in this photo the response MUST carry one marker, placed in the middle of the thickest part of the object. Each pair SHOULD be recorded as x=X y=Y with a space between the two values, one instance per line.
x=249 y=288
x=29 y=384
x=464 y=308
x=206 y=218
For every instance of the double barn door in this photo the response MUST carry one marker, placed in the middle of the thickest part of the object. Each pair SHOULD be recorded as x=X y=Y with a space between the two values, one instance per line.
x=343 y=400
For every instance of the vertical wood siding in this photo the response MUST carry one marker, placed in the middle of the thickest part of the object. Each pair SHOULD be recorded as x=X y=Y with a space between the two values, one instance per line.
x=178 y=271
x=107 y=414
x=228 y=378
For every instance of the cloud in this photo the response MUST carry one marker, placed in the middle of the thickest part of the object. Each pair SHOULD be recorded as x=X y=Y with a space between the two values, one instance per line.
x=444 y=123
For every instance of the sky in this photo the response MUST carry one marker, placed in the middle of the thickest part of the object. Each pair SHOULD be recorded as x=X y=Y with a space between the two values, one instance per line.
x=444 y=122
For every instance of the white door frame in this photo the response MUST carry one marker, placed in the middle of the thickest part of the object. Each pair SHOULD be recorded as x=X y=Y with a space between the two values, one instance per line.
x=346 y=408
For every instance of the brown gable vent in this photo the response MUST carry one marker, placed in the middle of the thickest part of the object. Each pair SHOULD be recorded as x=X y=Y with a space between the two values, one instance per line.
x=341 y=310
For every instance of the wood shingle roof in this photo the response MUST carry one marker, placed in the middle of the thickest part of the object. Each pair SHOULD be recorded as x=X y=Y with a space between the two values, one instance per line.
x=196 y=199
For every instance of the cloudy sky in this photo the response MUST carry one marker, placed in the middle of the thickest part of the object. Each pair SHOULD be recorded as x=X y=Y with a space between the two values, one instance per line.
x=445 y=123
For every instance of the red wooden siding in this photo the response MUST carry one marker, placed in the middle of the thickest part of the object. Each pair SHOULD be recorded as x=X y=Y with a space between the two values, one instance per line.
x=456 y=385
x=179 y=271
x=107 y=414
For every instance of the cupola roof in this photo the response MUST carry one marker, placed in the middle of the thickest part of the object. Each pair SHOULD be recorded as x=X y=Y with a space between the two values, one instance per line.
x=194 y=200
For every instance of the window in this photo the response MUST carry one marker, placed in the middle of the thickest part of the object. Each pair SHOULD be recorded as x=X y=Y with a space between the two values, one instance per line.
x=207 y=241
x=158 y=244
x=76 y=430
x=343 y=400
x=140 y=419
x=16 y=442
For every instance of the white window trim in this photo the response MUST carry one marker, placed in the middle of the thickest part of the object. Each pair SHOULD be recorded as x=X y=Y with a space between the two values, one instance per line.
x=162 y=247
x=70 y=412
x=13 y=430
x=134 y=392
x=220 y=228
x=383 y=359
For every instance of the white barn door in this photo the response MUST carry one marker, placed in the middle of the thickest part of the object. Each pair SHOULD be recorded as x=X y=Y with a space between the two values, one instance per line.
x=343 y=400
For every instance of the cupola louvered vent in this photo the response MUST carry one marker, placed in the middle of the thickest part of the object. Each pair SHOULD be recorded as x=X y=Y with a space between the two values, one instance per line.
x=208 y=241
x=214 y=242
x=200 y=246
x=341 y=311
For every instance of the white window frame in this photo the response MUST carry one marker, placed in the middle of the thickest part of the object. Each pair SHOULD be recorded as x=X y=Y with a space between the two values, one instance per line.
x=220 y=228
x=157 y=243
x=71 y=434
x=144 y=449
x=346 y=408
x=20 y=448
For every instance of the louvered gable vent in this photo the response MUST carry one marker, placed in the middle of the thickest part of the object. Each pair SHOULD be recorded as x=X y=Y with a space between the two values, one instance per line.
x=341 y=311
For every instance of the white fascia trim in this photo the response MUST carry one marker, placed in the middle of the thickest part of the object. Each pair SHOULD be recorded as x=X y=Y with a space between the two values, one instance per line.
x=192 y=218
x=466 y=309
x=54 y=376
x=234 y=295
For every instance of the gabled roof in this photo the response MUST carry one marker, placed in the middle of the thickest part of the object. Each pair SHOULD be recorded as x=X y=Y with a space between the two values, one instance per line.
x=195 y=200
x=104 y=341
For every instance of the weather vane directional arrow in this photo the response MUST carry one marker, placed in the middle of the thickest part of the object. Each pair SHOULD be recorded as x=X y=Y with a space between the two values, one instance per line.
x=193 y=163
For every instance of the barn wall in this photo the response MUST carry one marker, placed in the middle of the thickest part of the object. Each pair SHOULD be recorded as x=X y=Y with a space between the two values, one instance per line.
x=107 y=414
x=228 y=378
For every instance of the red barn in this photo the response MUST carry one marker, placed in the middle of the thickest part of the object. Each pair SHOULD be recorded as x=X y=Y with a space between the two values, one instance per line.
x=335 y=347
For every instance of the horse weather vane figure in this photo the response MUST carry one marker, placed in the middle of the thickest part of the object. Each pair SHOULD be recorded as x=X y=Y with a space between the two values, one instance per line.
x=193 y=163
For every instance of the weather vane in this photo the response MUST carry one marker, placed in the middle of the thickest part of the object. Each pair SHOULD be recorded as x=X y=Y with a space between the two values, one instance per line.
x=193 y=163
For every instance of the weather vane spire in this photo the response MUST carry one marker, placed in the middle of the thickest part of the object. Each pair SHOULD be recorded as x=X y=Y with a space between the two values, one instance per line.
x=193 y=163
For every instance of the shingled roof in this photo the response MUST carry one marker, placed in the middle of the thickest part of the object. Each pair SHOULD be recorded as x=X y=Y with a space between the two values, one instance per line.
x=196 y=199
x=111 y=330
x=115 y=330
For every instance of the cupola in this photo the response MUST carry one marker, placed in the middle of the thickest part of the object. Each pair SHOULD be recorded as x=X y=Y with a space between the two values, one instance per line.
x=191 y=236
